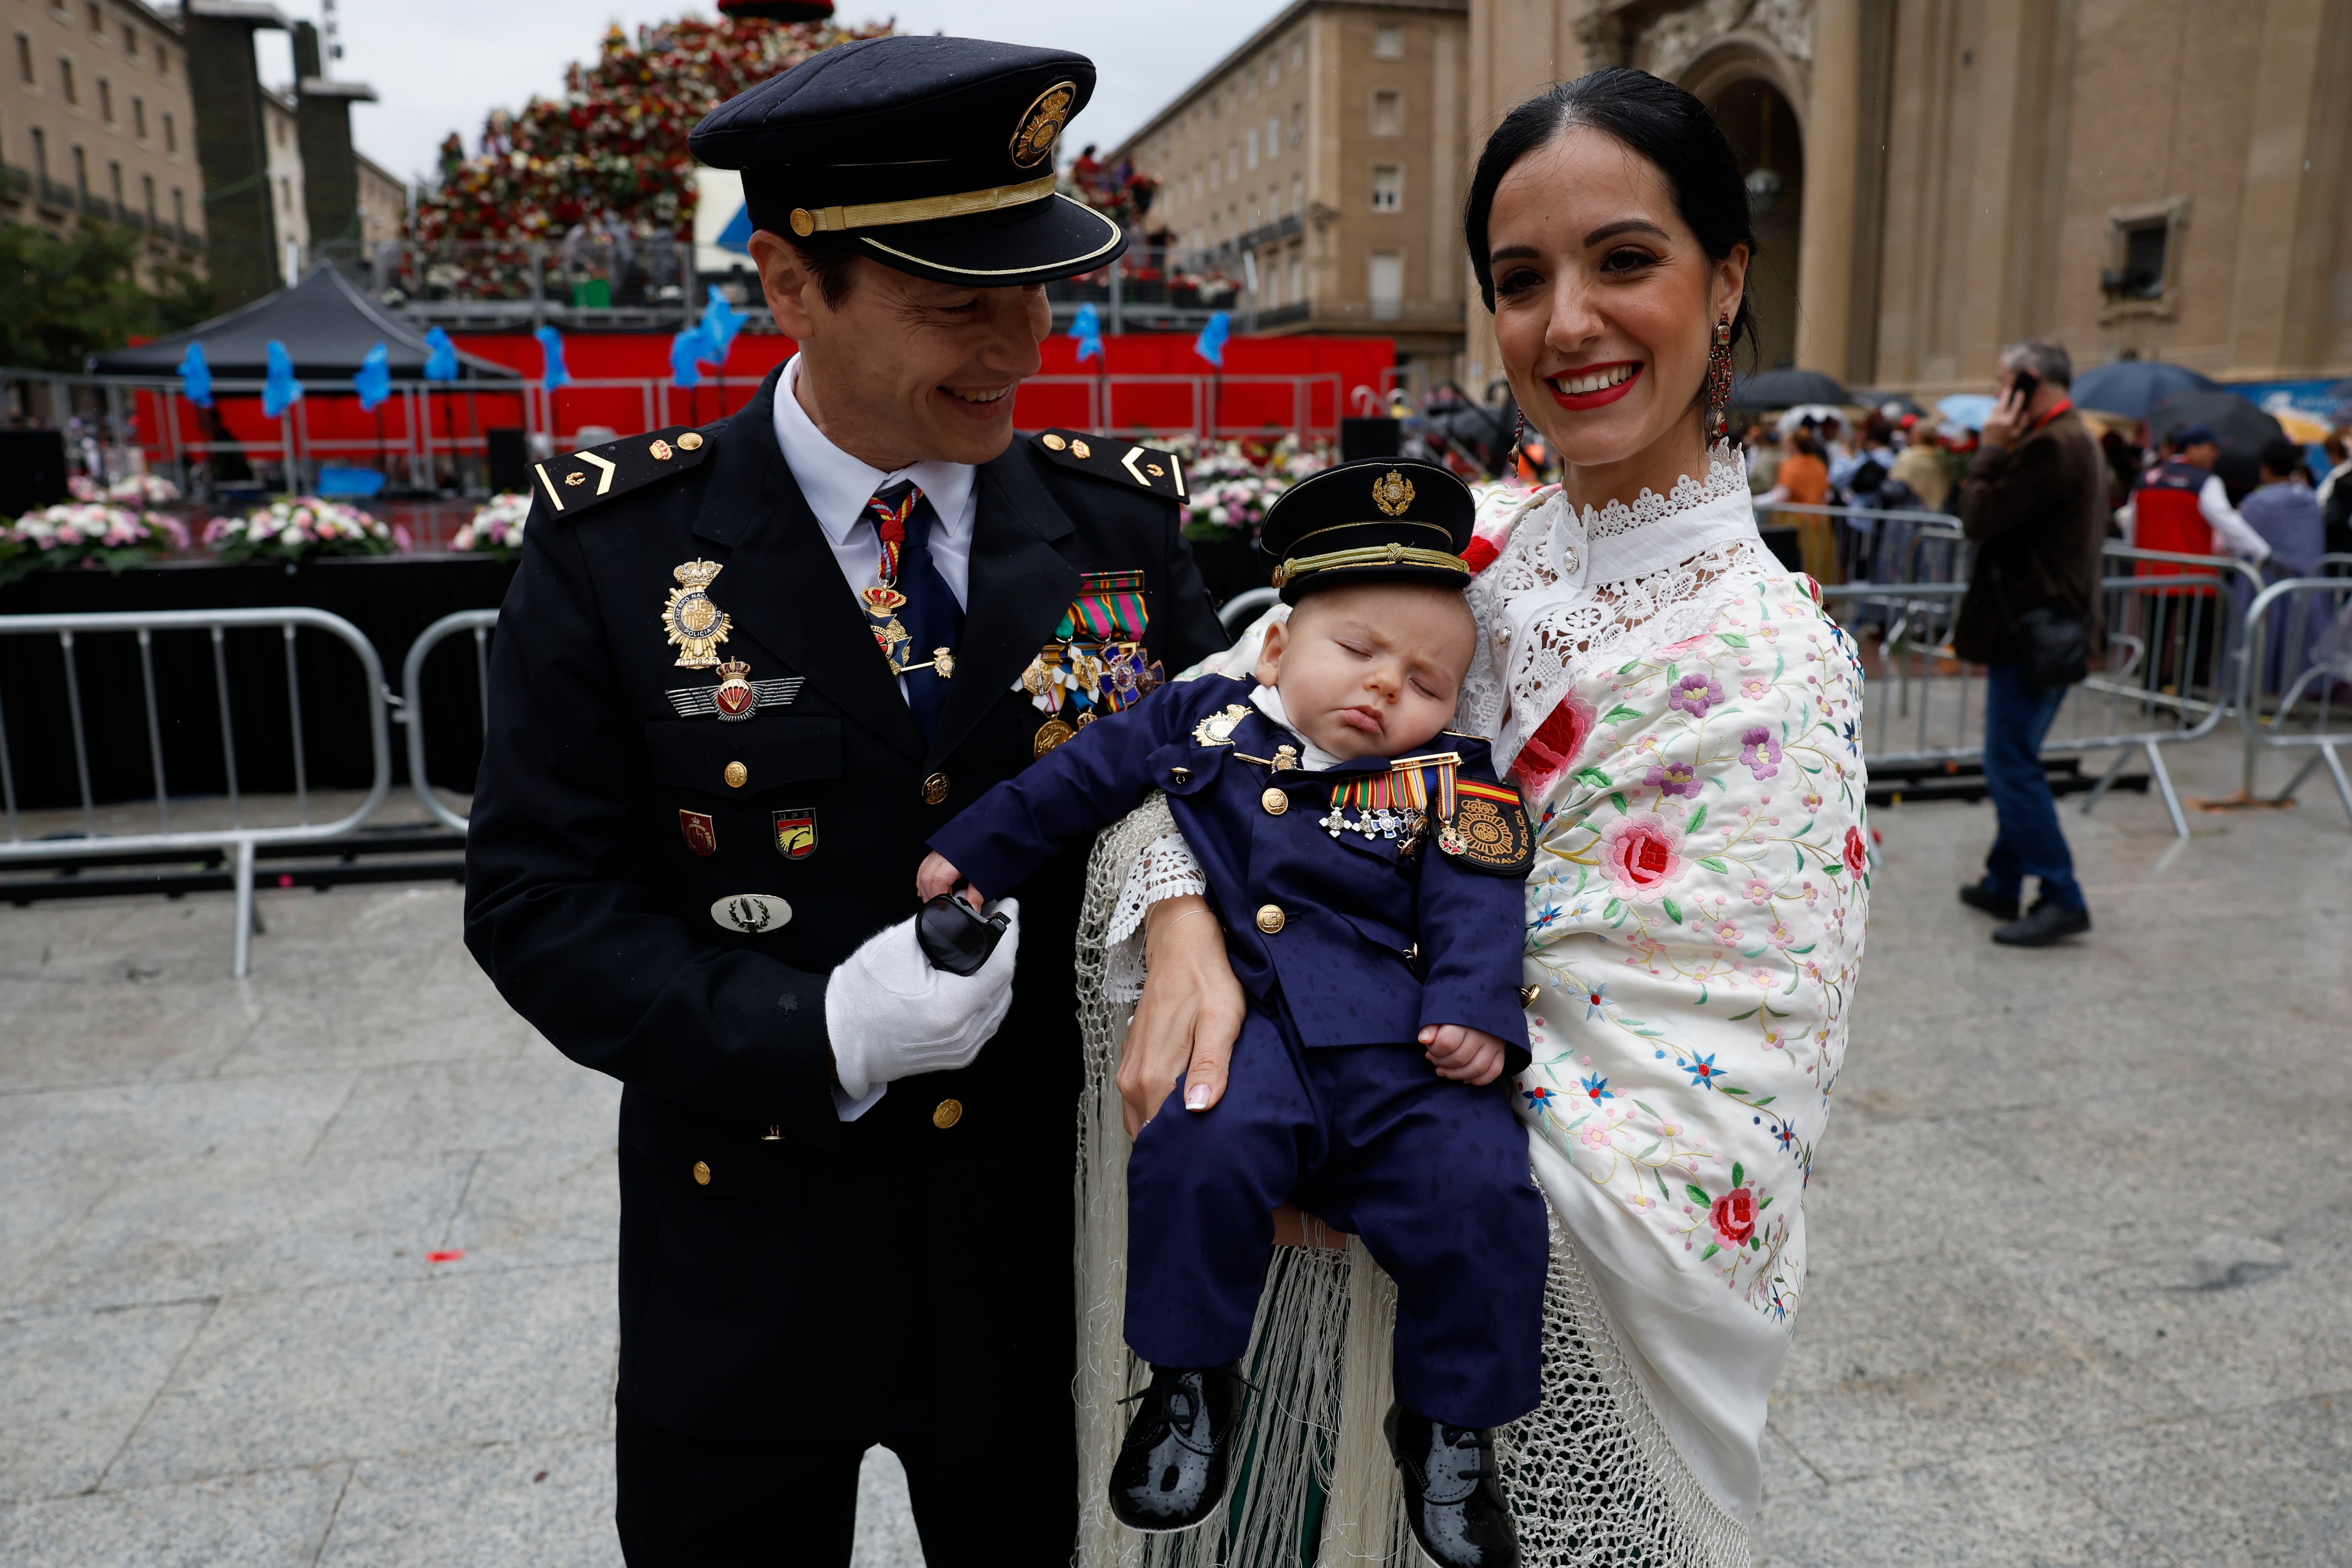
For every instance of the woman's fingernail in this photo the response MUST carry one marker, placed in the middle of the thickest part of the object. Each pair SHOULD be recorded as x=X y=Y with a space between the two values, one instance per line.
x=1196 y=1098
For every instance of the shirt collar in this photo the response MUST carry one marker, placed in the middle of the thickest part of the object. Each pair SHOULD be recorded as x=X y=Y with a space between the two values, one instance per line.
x=837 y=486
x=1311 y=756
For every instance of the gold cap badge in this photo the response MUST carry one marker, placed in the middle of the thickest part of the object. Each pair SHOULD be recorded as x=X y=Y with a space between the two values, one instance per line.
x=1041 y=123
x=1393 y=493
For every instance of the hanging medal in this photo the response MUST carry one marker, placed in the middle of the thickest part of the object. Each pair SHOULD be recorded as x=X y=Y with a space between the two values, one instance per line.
x=883 y=601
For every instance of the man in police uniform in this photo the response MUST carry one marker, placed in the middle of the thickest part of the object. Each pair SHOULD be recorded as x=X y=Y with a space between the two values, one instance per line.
x=744 y=673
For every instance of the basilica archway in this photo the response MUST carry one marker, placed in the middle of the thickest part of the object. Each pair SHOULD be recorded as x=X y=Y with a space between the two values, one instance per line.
x=1767 y=138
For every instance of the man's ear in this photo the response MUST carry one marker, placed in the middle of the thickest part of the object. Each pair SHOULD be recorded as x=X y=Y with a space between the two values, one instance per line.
x=1269 y=654
x=791 y=287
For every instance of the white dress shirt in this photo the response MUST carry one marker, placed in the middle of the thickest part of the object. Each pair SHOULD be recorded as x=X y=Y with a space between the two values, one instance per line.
x=838 y=487
x=2237 y=535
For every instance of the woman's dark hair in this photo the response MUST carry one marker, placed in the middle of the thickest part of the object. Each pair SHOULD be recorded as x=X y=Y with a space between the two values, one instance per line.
x=1657 y=119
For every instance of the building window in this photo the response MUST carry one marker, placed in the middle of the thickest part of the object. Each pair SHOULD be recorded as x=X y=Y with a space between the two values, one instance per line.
x=2143 y=270
x=1233 y=161
x=147 y=196
x=106 y=101
x=1387 y=285
x=24 y=61
x=82 y=173
x=171 y=134
x=1388 y=113
x=162 y=60
x=40 y=152
x=1297 y=123
x=1297 y=54
x=179 y=208
x=286 y=192
x=2141 y=276
x=1273 y=69
x=114 y=181
x=1252 y=147
x=130 y=43
x=66 y=79
x=138 y=117
x=1298 y=278
x=1273 y=136
x=1387 y=42
x=1299 y=195
x=97 y=20
x=1388 y=187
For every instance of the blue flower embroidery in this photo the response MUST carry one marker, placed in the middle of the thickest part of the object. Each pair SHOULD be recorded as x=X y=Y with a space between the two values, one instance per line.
x=1538 y=1101
x=1594 y=999
x=1597 y=1087
x=1702 y=1070
x=1546 y=915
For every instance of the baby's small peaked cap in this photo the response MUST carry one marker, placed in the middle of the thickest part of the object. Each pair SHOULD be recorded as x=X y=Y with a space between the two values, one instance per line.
x=1384 y=520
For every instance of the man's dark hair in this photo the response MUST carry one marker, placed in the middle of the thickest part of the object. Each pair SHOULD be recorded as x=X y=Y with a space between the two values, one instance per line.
x=2044 y=357
x=1653 y=118
x=831 y=260
x=2282 y=457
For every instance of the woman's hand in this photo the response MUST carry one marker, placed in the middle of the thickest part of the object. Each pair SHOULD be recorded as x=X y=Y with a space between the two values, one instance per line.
x=1188 y=1017
x=1465 y=1055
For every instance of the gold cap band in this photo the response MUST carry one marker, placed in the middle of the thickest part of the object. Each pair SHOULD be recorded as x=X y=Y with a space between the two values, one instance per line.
x=1372 y=555
x=807 y=221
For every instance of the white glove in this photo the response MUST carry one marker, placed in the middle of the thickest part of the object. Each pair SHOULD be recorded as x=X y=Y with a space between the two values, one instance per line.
x=890 y=1015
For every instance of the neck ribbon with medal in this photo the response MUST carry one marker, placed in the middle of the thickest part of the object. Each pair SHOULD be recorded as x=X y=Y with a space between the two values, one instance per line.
x=1096 y=663
x=883 y=601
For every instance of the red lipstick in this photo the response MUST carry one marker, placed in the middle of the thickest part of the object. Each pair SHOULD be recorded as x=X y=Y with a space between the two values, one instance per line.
x=1581 y=401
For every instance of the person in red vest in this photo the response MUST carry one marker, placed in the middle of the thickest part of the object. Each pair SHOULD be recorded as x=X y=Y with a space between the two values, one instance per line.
x=2179 y=505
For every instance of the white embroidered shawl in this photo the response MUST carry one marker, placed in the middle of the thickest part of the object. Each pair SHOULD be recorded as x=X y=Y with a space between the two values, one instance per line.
x=1684 y=718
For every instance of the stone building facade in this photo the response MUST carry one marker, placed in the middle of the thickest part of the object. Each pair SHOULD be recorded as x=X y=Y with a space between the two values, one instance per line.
x=2160 y=178
x=98 y=124
x=1329 y=148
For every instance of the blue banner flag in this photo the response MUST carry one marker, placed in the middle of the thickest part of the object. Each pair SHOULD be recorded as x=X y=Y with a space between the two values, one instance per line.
x=279 y=390
x=551 y=345
x=441 y=357
x=685 y=348
x=721 y=322
x=373 y=383
x=1210 y=344
x=196 y=377
x=1086 y=328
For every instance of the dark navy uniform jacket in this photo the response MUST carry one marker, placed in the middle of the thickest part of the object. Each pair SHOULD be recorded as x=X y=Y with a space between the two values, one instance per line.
x=784 y=1272
x=1372 y=946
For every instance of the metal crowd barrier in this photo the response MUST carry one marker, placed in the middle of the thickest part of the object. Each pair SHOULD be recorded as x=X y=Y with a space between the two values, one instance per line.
x=480 y=623
x=237 y=839
x=2314 y=652
x=2175 y=650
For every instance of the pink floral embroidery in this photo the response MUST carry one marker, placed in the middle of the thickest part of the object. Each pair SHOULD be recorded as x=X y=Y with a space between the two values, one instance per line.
x=1695 y=692
x=1552 y=750
x=1759 y=751
x=1674 y=778
x=1642 y=855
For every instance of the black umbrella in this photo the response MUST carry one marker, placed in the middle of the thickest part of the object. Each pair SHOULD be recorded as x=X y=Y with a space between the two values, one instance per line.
x=2234 y=419
x=1904 y=403
x=1786 y=389
x=2132 y=387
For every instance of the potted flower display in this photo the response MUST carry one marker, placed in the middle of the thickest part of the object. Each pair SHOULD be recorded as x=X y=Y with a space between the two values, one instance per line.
x=1232 y=483
x=300 y=528
x=496 y=528
x=86 y=534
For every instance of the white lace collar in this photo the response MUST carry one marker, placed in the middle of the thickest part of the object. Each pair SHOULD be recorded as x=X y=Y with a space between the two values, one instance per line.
x=1617 y=541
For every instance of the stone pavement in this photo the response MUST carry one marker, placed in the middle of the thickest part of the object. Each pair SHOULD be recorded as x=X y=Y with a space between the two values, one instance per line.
x=2083 y=1290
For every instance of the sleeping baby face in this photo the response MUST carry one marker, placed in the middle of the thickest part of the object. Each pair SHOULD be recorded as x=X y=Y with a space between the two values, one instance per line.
x=1373 y=670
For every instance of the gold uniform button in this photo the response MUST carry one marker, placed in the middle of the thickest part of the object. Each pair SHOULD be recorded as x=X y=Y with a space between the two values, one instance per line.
x=701 y=1174
x=1270 y=918
x=935 y=789
x=690 y=442
x=1274 y=801
x=949 y=1113
x=737 y=776
x=1181 y=775
x=1054 y=443
x=1528 y=995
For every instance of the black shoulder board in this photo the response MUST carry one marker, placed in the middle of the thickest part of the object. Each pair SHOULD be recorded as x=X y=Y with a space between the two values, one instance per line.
x=1488 y=831
x=1116 y=459
x=578 y=480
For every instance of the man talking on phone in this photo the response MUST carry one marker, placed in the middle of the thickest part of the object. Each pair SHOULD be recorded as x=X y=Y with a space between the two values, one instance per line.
x=2036 y=502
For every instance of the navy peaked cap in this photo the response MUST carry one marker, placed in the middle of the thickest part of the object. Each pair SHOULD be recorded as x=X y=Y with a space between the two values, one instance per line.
x=934 y=155
x=1382 y=519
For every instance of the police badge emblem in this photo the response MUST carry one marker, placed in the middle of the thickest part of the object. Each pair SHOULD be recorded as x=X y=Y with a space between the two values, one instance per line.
x=1393 y=493
x=1488 y=831
x=696 y=625
x=1217 y=730
x=701 y=834
x=735 y=697
x=1041 y=124
x=795 y=829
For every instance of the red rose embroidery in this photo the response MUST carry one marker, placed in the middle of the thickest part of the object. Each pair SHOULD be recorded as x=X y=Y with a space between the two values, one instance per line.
x=1552 y=749
x=1734 y=1215
x=1642 y=855
x=1480 y=555
x=1857 y=854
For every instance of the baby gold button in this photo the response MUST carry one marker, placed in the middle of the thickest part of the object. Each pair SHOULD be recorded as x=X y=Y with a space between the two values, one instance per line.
x=1270 y=918
x=949 y=1112
x=935 y=789
x=701 y=1174
x=737 y=776
x=1274 y=801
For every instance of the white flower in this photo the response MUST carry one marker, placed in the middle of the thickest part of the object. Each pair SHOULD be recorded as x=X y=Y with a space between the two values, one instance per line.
x=289 y=535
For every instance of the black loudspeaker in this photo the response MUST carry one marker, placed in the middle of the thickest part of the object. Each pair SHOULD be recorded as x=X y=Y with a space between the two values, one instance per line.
x=1367 y=438
x=509 y=458
x=32 y=470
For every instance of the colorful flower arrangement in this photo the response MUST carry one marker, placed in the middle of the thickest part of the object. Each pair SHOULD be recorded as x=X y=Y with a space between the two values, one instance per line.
x=133 y=489
x=300 y=528
x=86 y=534
x=1233 y=483
x=496 y=527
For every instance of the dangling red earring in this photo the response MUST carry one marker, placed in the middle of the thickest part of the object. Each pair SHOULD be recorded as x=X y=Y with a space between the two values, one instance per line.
x=1718 y=382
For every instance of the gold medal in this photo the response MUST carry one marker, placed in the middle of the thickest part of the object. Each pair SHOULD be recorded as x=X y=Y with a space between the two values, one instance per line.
x=695 y=625
x=735 y=697
x=1217 y=730
x=1051 y=734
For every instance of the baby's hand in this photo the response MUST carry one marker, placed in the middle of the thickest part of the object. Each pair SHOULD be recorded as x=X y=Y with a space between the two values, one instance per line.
x=937 y=875
x=1466 y=1055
